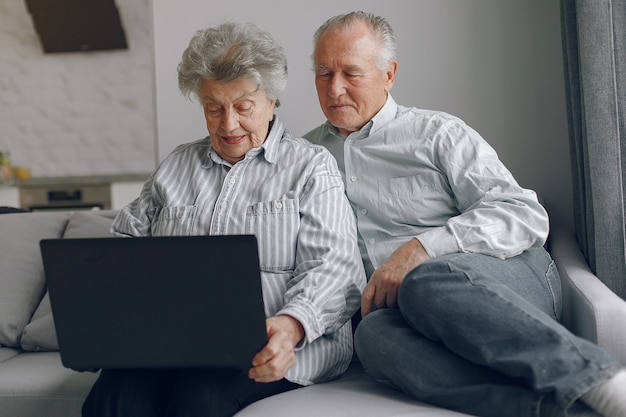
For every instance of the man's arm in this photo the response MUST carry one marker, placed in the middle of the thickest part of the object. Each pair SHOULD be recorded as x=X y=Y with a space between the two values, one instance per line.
x=497 y=217
x=382 y=289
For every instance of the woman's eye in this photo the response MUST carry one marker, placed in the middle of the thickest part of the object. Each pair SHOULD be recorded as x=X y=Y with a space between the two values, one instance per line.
x=213 y=111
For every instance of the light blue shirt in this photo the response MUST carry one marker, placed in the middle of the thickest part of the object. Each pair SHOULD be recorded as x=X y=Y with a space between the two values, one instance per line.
x=290 y=195
x=425 y=174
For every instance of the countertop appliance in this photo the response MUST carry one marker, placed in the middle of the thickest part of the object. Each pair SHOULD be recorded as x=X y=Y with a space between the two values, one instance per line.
x=74 y=196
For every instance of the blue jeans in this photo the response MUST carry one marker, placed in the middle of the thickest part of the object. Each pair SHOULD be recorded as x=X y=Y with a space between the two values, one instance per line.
x=481 y=335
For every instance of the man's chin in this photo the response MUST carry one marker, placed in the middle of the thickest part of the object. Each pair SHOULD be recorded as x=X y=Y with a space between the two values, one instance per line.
x=345 y=128
x=339 y=121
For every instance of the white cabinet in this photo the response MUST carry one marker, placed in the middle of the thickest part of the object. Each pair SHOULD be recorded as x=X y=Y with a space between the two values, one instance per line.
x=9 y=196
x=73 y=193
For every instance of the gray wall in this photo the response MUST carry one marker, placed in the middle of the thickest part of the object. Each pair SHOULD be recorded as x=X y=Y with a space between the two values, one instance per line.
x=494 y=63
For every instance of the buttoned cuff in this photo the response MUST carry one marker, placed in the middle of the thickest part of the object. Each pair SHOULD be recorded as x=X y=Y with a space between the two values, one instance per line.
x=438 y=241
x=303 y=313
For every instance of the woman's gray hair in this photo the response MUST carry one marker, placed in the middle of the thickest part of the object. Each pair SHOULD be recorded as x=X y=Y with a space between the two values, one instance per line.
x=230 y=51
x=381 y=29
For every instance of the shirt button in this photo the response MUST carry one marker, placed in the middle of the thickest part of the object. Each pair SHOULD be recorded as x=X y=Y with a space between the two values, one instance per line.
x=351 y=142
x=223 y=206
x=231 y=181
x=278 y=205
x=372 y=241
x=364 y=212
x=353 y=178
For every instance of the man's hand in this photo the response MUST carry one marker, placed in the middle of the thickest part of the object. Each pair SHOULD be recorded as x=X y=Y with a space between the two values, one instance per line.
x=274 y=360
x=382 y=288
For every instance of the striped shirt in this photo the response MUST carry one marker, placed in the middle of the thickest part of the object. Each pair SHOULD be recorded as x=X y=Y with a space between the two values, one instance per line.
x=290 y=195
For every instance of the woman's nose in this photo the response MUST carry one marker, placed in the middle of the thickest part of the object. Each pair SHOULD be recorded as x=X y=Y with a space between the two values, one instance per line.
x=230 y=121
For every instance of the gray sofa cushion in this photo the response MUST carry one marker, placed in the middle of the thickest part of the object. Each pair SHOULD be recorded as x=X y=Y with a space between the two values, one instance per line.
x=84 y=224
x=8 y=353
x=354 y=394
x=39 y=334
x=37 y=384
x=22 y=282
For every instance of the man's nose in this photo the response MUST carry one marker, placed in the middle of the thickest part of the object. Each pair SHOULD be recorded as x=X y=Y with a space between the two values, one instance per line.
x=336 y=86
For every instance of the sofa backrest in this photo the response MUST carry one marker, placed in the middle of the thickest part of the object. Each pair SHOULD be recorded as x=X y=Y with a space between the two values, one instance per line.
x=25 y=317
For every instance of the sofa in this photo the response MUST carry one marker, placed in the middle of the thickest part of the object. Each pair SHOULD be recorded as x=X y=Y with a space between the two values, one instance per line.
x=34 y=383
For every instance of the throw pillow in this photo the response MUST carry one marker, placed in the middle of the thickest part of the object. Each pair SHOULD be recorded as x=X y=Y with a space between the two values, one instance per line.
x=40 y=334
x=89 y=224
x=22 y=281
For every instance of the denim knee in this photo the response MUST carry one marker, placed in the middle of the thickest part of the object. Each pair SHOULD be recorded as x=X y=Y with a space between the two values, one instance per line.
x=422 y=290
x=367 y=335
x=375 y=338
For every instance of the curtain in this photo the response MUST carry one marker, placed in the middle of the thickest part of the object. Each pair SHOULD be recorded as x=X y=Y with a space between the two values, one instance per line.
x=594 y=56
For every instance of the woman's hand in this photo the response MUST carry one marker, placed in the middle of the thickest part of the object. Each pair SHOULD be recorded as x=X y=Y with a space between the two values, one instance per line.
x=382 y=288
x=274 y=360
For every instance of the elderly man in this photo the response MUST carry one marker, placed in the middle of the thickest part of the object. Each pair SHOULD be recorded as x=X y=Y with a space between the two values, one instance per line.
x=466 y=299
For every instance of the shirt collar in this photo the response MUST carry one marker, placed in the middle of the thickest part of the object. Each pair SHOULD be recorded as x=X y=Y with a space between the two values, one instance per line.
x=272 y=143
x=385 y=115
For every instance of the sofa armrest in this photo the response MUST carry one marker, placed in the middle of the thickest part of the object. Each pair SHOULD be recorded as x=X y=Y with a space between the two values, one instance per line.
x=590 y=309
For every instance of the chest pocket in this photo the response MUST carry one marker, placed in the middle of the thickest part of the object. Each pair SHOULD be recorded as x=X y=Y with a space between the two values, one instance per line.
x=276 y=225
x=174 y=221
x=419 y=199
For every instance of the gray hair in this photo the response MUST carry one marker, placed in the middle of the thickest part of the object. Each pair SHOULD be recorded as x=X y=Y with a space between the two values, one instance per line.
x=230 y=51
x=380 y=28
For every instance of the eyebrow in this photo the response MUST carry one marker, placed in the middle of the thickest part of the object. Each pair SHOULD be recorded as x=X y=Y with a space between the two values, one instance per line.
x=241 y=97
x=346 y=67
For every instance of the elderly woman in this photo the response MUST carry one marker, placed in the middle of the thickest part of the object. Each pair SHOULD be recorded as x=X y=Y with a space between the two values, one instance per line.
x=249 y=176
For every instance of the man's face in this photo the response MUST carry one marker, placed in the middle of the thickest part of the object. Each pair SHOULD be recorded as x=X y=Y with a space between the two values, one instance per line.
x=350 y=86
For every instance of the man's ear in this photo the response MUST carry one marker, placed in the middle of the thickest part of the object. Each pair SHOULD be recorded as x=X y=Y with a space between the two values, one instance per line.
x=391 y=75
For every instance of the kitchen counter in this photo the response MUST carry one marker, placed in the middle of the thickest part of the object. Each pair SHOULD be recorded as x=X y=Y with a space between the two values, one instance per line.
x=109 y=191
x=82 y=180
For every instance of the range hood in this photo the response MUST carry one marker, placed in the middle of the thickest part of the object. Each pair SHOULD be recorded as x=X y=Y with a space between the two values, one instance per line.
x=77 y=25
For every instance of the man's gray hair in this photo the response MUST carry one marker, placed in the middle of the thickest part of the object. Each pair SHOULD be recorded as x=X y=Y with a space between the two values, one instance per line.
x=230 y=51
x=380 y=27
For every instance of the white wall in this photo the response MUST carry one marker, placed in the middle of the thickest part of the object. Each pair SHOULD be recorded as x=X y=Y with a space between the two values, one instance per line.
x=78 y=113
x=495 y=63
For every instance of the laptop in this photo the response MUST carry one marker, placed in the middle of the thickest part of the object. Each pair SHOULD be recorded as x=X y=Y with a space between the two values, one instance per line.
x=156 y=302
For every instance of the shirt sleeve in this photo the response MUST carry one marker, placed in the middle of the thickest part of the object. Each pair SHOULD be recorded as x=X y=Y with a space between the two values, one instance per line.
x=135 y=218
x=325 y=290
x=497 y=216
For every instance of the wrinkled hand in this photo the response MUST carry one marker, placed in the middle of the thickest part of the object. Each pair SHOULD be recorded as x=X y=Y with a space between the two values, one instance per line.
x=382 y=288
x=274 y=360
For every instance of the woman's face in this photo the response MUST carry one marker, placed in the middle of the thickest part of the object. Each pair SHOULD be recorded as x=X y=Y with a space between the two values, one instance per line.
x=237 y=116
